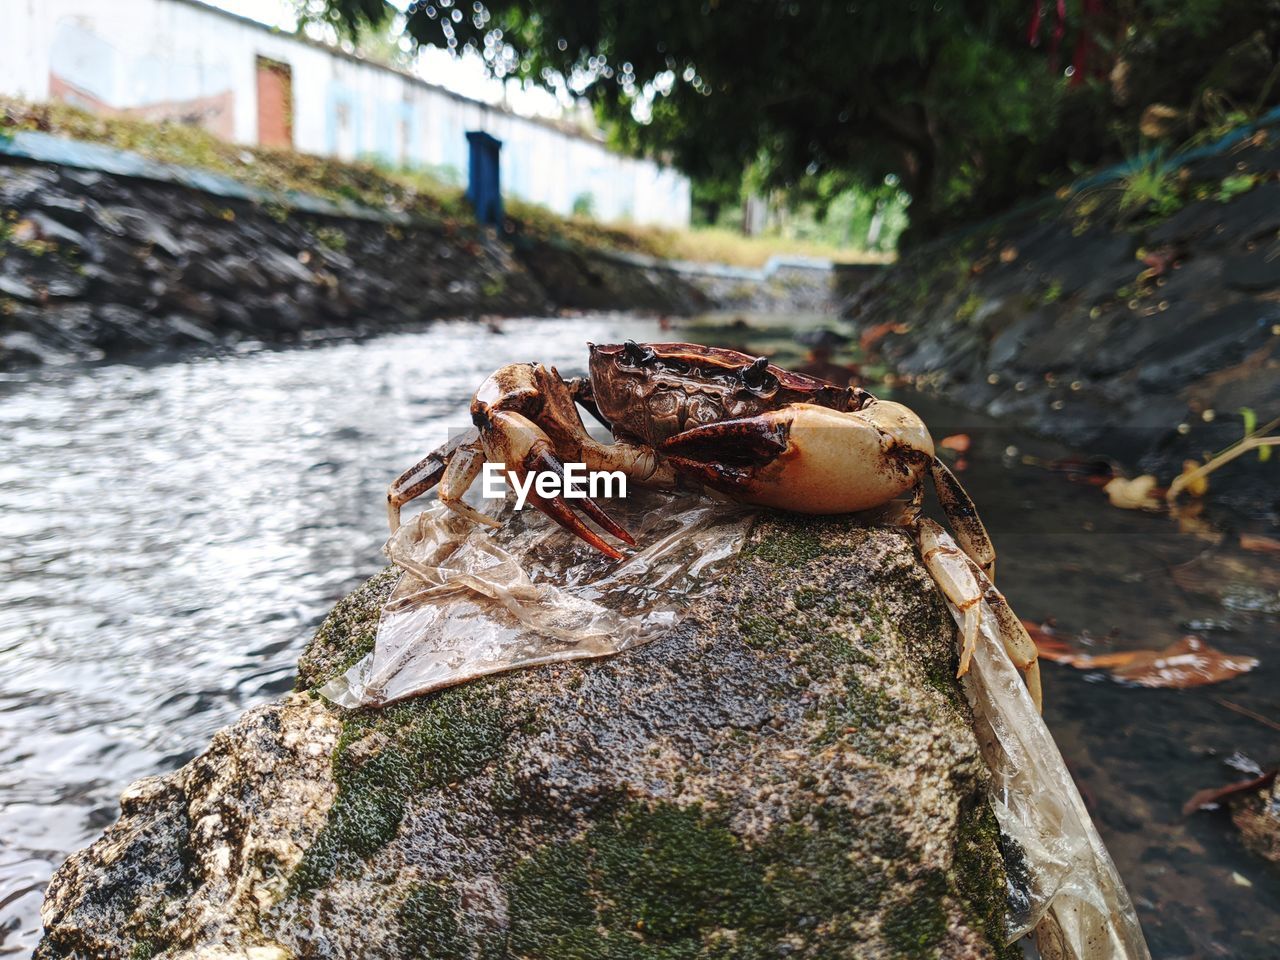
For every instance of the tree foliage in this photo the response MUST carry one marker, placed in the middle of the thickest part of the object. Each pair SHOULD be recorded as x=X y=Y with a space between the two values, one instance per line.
x=966 y=102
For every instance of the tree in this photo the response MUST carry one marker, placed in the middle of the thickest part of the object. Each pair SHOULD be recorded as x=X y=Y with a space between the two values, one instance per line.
x=955 y=98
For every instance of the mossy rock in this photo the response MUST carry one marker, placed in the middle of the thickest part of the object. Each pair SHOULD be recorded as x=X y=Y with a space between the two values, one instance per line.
x=790 y=771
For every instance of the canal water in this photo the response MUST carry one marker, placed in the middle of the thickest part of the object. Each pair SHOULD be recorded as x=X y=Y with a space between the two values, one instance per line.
x=173 y=532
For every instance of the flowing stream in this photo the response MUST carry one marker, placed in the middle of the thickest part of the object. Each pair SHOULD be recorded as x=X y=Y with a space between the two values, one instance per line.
x=172 y=533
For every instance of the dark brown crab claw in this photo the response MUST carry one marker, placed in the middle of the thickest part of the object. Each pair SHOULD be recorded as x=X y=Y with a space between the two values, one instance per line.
x=728 y=455
x=521 y=445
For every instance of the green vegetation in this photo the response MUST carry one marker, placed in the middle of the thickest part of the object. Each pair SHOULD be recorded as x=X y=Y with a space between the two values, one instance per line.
x=667 y=882
x=1150 y=187
x=418 y=193
x=969 y=106
x=428 y=918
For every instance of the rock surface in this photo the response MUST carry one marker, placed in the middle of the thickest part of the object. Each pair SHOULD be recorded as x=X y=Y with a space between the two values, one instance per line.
x=1127 y=333
x=1257 y=816
x=789 y=772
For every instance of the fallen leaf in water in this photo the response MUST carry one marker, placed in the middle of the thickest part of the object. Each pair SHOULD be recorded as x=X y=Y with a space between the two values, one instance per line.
x=1158 y=262
x=1259 y=544
x=959 y=442
x=872 y=336
x=1190 y=662
x=1211 y=797
x=1048 y=644
x=1189 y=515
x=1136 y=494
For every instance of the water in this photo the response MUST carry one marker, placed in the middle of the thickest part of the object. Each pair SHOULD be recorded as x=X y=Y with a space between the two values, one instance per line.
x=173 y=533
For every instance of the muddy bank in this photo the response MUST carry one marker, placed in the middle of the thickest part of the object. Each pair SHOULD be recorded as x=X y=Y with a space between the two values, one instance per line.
x=789 y=771
x=1131 y=325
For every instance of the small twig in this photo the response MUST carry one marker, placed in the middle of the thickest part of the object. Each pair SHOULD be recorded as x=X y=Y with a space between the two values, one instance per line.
x=1236 y=450
x=1246 y=712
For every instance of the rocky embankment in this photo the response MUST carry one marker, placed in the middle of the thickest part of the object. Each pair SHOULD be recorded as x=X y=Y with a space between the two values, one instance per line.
x=1134 y=318
x=97 y=264
x=789 y=772
x=105 y=254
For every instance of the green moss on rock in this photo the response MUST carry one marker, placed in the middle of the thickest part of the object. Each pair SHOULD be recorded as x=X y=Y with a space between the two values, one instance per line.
x=384 y=757
x=347 y=633
x=428 y=922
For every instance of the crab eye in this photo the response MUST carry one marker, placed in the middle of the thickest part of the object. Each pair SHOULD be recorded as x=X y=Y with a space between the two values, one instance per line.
x=755 y=375
x=636 y=354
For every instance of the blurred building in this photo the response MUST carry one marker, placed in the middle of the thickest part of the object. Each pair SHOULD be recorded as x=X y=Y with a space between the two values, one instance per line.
x=184 y=61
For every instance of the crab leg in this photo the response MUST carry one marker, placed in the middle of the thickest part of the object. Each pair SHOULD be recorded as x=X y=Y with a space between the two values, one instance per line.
x=974 y=596
x=425 y=474
x=519 y=443
x=963 y=517
x=463 y=468
x=954 y=574
x=560 y=419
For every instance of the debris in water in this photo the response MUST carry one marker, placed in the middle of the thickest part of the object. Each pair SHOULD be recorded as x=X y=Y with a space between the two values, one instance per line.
x=1211 y=798
x=1189 y=662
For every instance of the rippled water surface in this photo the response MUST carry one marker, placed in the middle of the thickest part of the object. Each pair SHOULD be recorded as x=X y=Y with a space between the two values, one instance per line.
x=172 y=534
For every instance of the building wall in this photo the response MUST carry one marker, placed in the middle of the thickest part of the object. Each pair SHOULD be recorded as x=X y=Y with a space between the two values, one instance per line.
x=181 y=60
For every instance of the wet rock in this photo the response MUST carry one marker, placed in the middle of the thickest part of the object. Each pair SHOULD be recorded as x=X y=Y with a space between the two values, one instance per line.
x=1257 y=816
x=197 y=850
x=790 y=771
x=1256 y=271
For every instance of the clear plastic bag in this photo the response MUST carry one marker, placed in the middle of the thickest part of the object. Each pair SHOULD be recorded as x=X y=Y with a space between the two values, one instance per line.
x=1071 y=895
x=474 y=600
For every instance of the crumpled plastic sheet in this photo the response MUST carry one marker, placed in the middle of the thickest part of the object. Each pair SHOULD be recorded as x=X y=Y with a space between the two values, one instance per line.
x=474 y=600
x=1072 y=897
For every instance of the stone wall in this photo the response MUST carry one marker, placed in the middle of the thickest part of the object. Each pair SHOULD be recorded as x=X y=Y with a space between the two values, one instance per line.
x=1133 y=332
x=96 y=264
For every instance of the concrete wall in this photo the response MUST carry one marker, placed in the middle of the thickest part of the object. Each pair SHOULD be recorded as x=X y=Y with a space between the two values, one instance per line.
x=178 y=59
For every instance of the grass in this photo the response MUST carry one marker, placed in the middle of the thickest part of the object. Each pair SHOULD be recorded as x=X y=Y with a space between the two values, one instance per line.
x=415 y=192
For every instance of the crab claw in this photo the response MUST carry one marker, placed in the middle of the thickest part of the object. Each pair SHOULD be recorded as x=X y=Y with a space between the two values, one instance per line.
x=808 y=458
x=520 y=444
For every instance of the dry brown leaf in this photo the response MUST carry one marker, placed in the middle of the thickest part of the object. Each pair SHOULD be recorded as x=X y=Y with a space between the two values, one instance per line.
x=1210 y=797
x=1047 y=643
x=1193 y=485
x=1136 y=494
x=1259 y=544
x=872 y=336
x=959 y=442
x=1190 y=662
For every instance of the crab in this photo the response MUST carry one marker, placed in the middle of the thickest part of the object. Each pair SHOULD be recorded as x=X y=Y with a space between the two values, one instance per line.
x=681 y=414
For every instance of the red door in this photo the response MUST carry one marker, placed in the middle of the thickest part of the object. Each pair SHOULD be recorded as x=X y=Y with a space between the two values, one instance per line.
x=275 y=104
